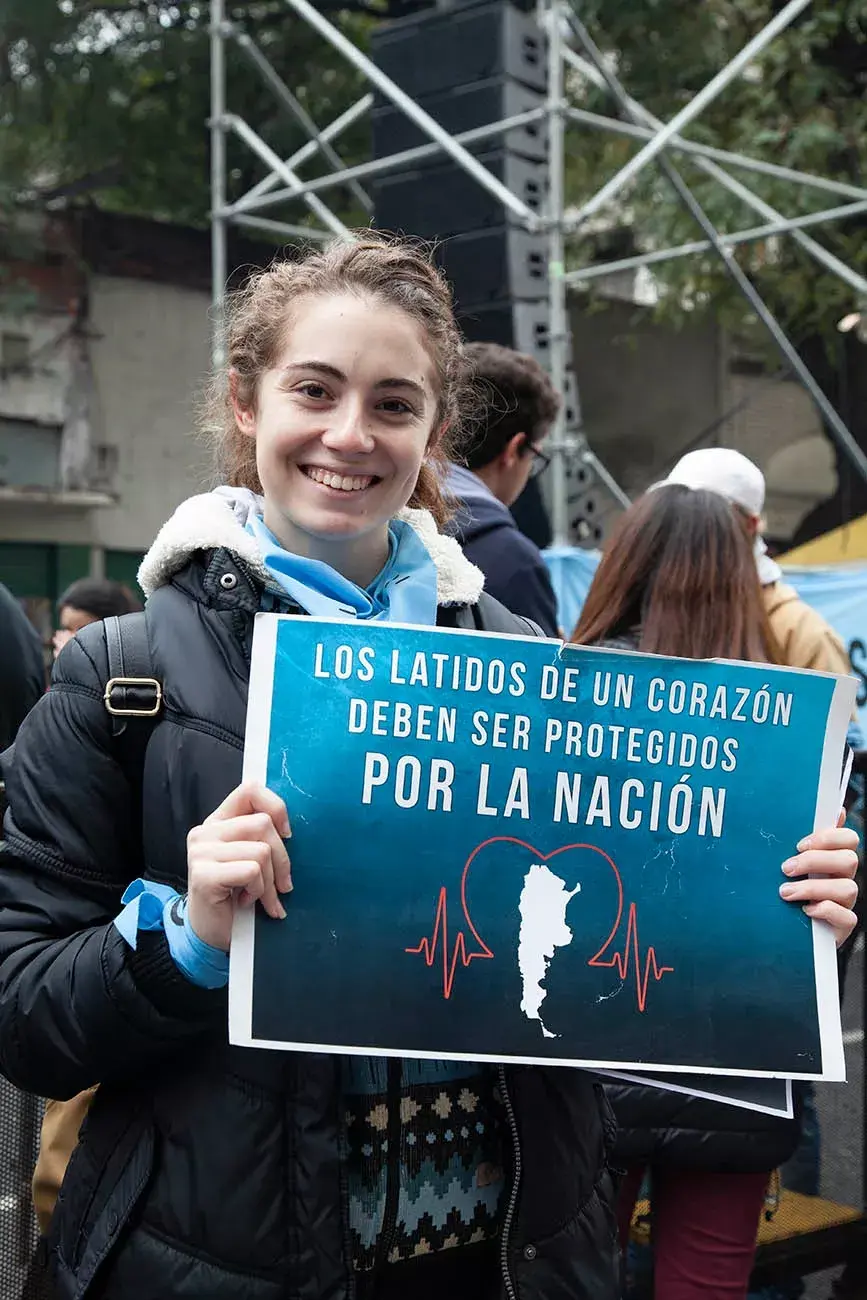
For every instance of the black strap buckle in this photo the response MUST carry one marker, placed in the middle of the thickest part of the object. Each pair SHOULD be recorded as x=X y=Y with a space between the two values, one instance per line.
x=139 y=683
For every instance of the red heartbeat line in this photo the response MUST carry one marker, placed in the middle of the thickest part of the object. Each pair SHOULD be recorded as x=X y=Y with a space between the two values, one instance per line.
x=440 y=936
x=632 y=950
x=428 y=947
x=438 y=941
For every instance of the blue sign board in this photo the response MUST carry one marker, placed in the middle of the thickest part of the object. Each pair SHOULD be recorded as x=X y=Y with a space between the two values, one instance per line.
x=508 y=849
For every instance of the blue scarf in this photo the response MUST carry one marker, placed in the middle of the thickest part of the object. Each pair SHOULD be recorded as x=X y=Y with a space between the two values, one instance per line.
x=404 y=591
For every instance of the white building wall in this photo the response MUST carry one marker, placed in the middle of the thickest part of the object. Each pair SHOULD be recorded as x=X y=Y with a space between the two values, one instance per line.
x=38 y=393
x=149 y=354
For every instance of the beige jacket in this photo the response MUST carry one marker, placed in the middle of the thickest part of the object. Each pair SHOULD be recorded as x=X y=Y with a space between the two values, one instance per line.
x=804 y=638
x=58 y=1140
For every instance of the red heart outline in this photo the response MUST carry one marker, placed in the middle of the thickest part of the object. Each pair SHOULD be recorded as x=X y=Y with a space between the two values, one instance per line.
x=619 y=961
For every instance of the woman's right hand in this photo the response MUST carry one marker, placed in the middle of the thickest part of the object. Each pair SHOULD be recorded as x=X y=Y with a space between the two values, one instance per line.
x=234 y=858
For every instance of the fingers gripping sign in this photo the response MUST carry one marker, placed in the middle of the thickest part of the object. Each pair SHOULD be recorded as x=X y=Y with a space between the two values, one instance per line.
x=822 y=878
x=236 y=857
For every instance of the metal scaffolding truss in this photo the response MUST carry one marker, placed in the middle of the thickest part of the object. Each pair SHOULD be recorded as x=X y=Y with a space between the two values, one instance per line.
x=570 y=46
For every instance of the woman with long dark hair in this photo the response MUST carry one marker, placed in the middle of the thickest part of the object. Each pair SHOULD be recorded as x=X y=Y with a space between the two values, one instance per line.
x=679 y=578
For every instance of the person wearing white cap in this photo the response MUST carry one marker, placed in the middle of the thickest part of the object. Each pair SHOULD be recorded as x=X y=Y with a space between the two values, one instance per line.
x=804 y=638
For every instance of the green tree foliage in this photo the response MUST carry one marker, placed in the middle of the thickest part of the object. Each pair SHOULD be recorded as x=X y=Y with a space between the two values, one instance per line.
x=803 y=104
x=112 y=98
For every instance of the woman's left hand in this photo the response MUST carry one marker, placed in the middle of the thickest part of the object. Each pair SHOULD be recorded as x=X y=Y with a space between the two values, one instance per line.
x=829 y=857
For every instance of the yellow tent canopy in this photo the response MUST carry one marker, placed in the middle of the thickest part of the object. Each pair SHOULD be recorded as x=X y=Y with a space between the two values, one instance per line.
x=840 y=546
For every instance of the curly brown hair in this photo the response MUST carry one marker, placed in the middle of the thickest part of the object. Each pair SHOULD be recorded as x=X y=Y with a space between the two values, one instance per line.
x=392 y=270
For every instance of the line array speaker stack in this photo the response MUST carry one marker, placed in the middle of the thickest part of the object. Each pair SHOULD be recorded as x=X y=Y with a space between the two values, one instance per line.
x=470 y=65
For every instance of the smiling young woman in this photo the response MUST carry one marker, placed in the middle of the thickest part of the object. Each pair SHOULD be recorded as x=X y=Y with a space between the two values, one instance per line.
x=210 y=1172
x=207 y=1171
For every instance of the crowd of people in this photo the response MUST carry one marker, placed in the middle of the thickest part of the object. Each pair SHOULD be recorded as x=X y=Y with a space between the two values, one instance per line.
x=367 y=462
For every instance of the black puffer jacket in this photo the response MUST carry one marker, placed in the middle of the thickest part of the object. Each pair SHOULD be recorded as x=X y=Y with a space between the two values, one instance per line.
x=22 y=671
x=207 y=1172
x=675 y=1131
x=683 y=1132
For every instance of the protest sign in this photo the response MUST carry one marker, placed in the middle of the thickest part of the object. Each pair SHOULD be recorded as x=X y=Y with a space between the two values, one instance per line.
x=508 y=849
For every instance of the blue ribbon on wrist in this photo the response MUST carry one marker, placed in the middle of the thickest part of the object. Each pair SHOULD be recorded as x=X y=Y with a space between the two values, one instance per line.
x=200 y=962
x=144 y=902
x=150 y=905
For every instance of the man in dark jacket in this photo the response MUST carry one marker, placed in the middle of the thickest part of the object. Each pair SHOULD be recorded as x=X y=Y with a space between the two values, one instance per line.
x=520 y=407
x=22 y=670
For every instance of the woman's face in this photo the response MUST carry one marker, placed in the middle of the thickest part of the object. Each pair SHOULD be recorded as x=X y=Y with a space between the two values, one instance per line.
x=72 y=620
x=342 y=423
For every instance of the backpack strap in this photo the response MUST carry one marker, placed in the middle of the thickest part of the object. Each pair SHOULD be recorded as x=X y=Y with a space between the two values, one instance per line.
x=132 y=690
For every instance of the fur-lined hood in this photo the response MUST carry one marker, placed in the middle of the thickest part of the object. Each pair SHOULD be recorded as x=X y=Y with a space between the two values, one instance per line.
x=217 y=520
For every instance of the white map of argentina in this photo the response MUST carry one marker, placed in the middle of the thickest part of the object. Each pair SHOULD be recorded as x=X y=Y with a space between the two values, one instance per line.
x=543 y=904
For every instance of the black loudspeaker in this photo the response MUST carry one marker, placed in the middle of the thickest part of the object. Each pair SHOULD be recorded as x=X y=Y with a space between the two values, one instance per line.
x=471 y=66
x=484 y=263
x=443 y=201
x=463 y=108
x=442 y=49
x=524 y=326
x=520 y=325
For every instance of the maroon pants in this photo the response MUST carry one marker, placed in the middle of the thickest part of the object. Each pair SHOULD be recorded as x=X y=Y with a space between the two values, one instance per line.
x=704 y=1230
